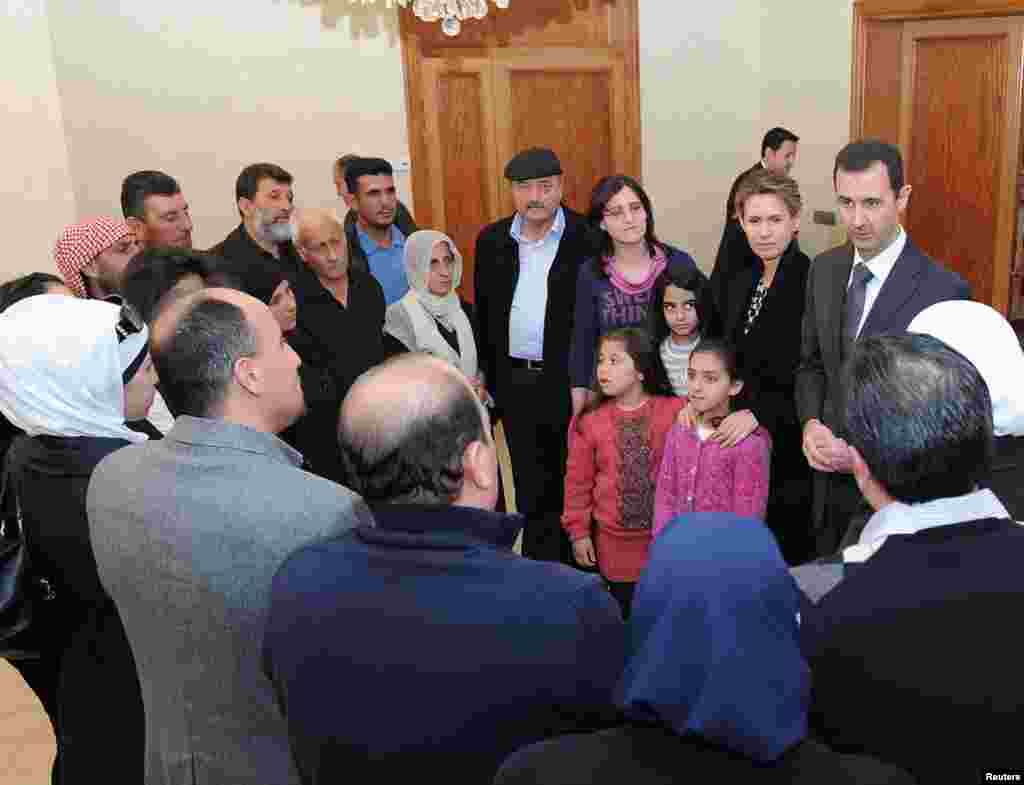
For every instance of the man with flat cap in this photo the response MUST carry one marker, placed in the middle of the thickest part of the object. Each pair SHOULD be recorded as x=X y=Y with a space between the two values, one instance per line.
x=525 y=285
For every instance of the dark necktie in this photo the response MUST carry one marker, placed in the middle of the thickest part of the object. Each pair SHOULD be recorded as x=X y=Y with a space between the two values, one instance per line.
x=855 y=296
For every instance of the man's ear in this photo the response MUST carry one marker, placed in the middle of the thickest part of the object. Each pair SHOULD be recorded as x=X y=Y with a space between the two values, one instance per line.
x=479 y=466
x=249 y=375
x=245 y=206
x=138 y=228
x=872 y=490
x=902 y=198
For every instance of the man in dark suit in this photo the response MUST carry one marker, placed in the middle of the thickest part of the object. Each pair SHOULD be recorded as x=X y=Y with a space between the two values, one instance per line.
x=877 y=283
x=778 y=154
x=525 y=285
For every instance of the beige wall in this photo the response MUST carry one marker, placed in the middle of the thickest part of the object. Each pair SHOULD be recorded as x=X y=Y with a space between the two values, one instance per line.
x=201 y=89
x=712 y=82
x=38 y=196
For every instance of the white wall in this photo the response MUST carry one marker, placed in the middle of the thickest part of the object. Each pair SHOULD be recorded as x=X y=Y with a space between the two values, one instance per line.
x=38 y=198
x=713 y=81
x=200 y=89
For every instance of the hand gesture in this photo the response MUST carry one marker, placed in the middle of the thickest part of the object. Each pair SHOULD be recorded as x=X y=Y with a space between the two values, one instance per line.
x=735 y=428
x=583 y=550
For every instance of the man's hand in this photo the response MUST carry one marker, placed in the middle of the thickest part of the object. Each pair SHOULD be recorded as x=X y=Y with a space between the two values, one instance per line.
x=583 y=550
x=818 y=446
x=735 y=428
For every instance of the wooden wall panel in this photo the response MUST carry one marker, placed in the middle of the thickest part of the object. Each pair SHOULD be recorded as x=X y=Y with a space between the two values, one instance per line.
x=882 y=59
x=462 y=137
x=938 y=9
x=956 y=152
x=576 y=124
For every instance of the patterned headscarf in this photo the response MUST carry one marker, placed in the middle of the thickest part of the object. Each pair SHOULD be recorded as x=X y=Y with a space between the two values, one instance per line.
x=80 y=243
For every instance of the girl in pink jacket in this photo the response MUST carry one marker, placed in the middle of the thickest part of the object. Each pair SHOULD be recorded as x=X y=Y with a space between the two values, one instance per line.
x=697 y=473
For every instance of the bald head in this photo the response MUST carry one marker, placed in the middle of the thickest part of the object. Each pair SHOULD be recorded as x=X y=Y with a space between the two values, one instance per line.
x=404 y=430
x=320 y=241
x=315 y=222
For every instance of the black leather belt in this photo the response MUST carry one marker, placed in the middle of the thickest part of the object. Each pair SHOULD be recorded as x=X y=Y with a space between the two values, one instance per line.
x=530 y=365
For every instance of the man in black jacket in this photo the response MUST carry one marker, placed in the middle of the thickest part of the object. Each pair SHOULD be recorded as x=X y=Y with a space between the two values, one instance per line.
x=525 y=286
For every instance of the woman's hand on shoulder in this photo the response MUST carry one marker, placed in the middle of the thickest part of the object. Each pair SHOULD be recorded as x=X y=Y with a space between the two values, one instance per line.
x=735 y=428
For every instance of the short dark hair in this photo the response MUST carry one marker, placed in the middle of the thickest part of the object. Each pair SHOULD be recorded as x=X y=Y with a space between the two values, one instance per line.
x=248 y=182
x=863 y=154
x=196 y=361
x=604 y=191
x=362 y=167
x=26 y=286
x=152 y=273
x=341 y=165
x=420 y=460
x=777 y=137
x=136 y=187
x=920 y=415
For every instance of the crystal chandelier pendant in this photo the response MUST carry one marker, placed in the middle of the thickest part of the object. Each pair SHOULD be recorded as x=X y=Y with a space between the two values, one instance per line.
x=451 y=26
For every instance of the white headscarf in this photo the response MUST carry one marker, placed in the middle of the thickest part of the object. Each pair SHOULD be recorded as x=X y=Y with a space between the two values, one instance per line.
x=62 y=367
x=984 y=337
x=412 y=319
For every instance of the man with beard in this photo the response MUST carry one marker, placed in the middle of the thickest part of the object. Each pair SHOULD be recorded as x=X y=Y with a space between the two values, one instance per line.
x=264 y=195
x=375 y=243
x=156 y=210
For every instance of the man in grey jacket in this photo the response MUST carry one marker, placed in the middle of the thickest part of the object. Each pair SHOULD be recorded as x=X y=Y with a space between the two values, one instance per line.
x=188 y=532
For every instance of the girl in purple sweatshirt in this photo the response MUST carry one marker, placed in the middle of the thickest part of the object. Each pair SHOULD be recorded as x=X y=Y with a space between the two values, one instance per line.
x=697 y=473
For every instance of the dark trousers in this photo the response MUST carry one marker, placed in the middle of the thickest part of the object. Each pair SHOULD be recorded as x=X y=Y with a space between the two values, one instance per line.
x=623 y=594
x=845 y=511
x=536 y=420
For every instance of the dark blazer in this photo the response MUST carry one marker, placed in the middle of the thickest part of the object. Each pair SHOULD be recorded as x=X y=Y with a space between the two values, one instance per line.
x=916 y=281
x=424 y=644
x=770 y=352
x=495 y=279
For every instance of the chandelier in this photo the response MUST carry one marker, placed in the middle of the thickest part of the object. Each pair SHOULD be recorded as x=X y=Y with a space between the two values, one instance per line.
x=449 y=12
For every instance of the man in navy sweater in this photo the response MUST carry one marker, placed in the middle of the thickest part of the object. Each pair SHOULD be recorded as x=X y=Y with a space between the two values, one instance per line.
x=912 y=634
x=424 y=646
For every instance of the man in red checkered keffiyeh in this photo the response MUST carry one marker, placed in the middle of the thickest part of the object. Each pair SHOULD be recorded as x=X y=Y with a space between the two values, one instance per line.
x=91 y=256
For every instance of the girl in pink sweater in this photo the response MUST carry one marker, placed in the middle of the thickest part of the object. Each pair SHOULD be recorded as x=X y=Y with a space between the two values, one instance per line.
x=614 y=454
x=699 y=474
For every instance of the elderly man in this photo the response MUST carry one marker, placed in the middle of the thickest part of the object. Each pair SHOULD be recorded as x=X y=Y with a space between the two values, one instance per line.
x=525 y=284
x=425 y=644
x=339 y=332
x=912 y=634
x=155 y=208
x=188 y=532
x=375 y=227
x=91 y=256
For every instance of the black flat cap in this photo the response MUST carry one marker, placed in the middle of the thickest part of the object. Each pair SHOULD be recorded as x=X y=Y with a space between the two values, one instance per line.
x=533 y=163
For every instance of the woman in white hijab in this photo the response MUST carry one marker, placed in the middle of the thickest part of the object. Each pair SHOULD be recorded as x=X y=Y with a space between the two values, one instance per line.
x=431 y=317
x=71 y=372
x=984 y=337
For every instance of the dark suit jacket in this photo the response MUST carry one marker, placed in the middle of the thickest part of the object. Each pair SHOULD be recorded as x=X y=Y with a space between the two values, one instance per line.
x=495 y=279
x=916 y=281
x=770 y=352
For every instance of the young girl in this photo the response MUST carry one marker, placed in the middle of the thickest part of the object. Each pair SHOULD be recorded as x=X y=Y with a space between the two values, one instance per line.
x=698 y=473
x=682 y=313
x=614 y=455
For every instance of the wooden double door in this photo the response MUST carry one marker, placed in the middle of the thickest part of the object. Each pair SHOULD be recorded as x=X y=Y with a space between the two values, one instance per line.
x=948 y=91
x=559 y=75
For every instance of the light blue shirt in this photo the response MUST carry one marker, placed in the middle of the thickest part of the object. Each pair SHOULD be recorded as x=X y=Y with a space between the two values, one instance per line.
x=530 y=302
x=387 y=265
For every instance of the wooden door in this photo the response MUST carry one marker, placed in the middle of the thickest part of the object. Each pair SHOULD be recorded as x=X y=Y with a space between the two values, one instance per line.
x=959 y=126
x=553 y=74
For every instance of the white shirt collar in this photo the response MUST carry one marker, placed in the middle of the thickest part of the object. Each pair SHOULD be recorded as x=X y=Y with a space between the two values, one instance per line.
x=882 y=264
x=555 y=231
x=900 y=518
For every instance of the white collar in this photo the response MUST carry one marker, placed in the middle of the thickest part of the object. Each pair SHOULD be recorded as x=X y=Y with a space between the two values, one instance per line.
x=882 y=264
x=900 y=518
x=555 y=230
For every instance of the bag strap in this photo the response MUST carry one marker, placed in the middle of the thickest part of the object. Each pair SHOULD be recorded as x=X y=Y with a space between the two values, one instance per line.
x=10 y=509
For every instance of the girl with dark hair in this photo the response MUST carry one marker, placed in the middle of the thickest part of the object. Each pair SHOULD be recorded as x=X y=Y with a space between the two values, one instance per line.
x=615 y=288
x=614 y=454
x=698 y=473
x=683 y=312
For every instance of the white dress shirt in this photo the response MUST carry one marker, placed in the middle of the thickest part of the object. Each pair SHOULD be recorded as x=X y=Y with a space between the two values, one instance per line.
x=530 y=301
x=880 y=268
